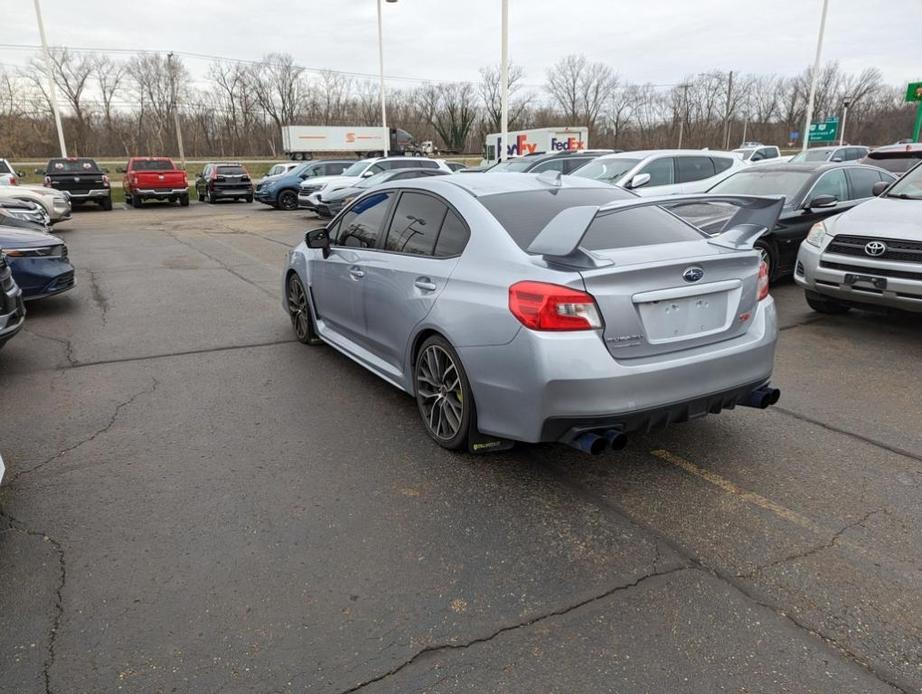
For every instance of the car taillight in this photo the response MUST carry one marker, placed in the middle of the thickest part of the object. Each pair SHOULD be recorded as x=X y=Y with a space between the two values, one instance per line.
x=762 y=285
x=542 y=306
x=14 y=181
x=47 y=182
x=105 y=180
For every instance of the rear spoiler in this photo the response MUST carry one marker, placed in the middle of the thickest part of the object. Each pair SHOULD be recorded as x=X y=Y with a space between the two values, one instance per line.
x=559 y=241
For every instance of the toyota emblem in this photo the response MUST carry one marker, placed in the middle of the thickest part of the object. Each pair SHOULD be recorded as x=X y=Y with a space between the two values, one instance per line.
x=875 y=248
x=693 y=274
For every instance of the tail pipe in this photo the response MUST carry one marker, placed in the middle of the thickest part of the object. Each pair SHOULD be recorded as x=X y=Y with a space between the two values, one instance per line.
x=598 y=441
x=762 y=397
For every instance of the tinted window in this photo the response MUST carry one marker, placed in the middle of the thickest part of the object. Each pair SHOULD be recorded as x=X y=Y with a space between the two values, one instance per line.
x=425 y=164
x=453 y=237
x=607 y=169
x=693 y=169
x=862 y=181
x=361 y=224
x=72 y=166
x=896 y=164
x=571 y=164
x=416 y=224
x=721 y=164
x=768 y=153
x=638 y=227
x=526 y=213
x=231 y=170
x=755 y=182
x=661 y=172
x=152 y=165
x=831 y=183
x=334 y=168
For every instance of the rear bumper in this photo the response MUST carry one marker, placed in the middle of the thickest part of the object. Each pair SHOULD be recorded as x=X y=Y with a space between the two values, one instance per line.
x=95 y=194
x=159 y=193
x=542 y=384
x=824 y=273
x=232 y=192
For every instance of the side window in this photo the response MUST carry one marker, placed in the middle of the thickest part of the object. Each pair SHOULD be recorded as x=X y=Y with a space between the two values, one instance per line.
x=379 y=167
x=416 y=224
x=572 y=164
x=425 y=164
x=839 y=155
x=862 y=181
x=361 y=224
x=831 y=183
x=721 y=164
x=661 y=172
x=690 y=169
x=552 y=165
x=453 y=237
x=335 y=169
x=769 y=153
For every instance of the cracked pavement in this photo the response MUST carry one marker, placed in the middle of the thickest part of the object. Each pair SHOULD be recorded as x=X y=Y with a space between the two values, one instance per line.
x=194 y=502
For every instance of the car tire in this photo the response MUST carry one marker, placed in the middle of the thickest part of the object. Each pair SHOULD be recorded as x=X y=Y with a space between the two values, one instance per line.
x=299 y=311
x=443 y=393
x=107 y=204
x=822 y=304
x=136 y=201
x=249 y=198
x=183 y=200
x=768 y=256
x=201 y=197
x=212 y=198
x=288 y=200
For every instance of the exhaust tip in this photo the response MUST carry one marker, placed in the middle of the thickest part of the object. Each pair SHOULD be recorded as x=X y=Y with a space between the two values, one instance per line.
x=589 y=442
x=617 y=440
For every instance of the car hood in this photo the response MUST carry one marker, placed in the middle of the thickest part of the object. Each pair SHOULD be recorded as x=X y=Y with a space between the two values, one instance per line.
x=335 y=181
x=881 y=218
x=337 y=194
x=21 y=238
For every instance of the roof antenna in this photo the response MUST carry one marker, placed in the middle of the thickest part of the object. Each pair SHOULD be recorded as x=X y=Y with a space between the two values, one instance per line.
x=551 y=178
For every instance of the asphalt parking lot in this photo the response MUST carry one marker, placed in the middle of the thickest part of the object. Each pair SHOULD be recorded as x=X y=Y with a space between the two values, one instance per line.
x=195 y=502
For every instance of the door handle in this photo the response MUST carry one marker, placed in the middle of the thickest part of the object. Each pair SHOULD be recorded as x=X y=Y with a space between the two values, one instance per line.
x=356 y=273
x=425 y=284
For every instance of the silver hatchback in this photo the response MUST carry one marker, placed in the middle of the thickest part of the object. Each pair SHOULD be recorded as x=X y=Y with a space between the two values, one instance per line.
x=541 y=308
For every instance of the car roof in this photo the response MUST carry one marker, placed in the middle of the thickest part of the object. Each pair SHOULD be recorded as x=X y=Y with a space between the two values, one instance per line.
x=804 y=167
x=644 y=153
x=896 y=149
x=481 y=184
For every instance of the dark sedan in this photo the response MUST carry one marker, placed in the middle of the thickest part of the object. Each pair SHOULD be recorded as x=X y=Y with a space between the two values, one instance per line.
x=39 y=262
x=331 y=203
x=812 y=192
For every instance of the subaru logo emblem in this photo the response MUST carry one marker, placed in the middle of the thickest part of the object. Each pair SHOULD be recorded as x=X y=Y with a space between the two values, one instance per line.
x=693 y=274
x=875 y=248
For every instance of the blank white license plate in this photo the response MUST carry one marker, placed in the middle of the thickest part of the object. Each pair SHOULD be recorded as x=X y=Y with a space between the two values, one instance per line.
x=691 y=316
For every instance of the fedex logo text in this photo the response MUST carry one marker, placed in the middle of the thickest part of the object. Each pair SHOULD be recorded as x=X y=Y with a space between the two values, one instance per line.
x=569 y=145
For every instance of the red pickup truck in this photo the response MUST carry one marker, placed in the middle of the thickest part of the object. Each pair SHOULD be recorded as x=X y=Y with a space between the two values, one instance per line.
x=154 y=178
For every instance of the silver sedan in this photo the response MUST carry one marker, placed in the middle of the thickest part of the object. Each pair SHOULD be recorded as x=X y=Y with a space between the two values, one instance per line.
x=540 y=308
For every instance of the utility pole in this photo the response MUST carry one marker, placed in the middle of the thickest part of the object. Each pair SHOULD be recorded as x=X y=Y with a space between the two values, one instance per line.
x=727 y=112
x=684 y=114
x=169 y=62
x=52 y=93
x=805 y=136
x=504 y=84
x=846 y=101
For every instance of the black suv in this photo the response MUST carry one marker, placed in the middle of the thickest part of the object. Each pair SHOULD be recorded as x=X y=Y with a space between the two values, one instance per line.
x=564 y=162
x=82 y=178
x=12 y=311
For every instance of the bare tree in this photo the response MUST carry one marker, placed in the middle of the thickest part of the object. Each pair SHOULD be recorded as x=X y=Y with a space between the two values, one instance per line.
x=71 y=73
x=489 y=90
x=580 y=89
x=279 y=88
x=455 y=112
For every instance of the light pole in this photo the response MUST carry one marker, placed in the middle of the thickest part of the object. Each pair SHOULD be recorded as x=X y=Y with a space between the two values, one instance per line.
x=51 y=90
x=387 y=133
x=816 y=76
x=846 y=101
x=504 y=84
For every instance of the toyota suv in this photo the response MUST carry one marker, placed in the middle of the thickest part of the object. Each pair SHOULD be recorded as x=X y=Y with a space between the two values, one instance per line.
x=870 y=256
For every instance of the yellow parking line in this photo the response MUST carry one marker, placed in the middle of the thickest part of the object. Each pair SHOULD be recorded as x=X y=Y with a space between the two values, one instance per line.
x=744 y=494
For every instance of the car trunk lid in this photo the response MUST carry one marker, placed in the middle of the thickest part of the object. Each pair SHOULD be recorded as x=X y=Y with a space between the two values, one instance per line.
x=691 y=294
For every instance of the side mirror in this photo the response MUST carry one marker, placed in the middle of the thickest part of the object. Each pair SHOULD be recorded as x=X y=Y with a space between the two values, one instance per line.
x=318 y=238
x=756 y=157
x=368 y=173
x=638 y=181
x=836 y=159
x=879 y=187
x=822 y=201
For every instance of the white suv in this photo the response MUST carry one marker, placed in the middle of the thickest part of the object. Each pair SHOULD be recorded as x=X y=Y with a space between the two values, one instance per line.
x=663 y=171
x=309 y=193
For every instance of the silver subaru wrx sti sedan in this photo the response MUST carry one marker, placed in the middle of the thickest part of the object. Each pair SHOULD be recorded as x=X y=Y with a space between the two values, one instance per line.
x=541 y=308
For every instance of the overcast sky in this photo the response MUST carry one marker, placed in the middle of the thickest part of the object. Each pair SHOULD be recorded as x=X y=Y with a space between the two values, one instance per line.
x=657 y=41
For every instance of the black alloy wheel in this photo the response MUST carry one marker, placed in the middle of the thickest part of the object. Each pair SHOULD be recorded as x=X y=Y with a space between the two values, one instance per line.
x=443 y=393
x=288 y=200
x=300 y=312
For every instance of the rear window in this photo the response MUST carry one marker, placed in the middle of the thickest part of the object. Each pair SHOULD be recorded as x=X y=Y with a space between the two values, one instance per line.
x=231 y=170
x=525 y=214
x=894 y=162
x=152 y=165
x=72 y=166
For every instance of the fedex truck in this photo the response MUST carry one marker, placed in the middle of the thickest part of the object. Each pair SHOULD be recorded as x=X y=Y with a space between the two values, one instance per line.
x=535 y=141
x=303 y=141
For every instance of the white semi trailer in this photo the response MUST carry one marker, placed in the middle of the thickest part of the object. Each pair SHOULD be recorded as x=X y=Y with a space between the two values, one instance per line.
x=304 y=141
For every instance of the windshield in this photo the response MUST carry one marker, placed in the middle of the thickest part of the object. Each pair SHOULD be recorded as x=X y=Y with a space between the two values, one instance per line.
x=72 y=166
x=357 y=168
x=5 y=167
x=152 y=165
x=894 y=162
x=510 y=165
x=378 y=178
x=786 y=183
x=607 y=169
x=744 y=153
x=811 y=155
x=909 y=186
